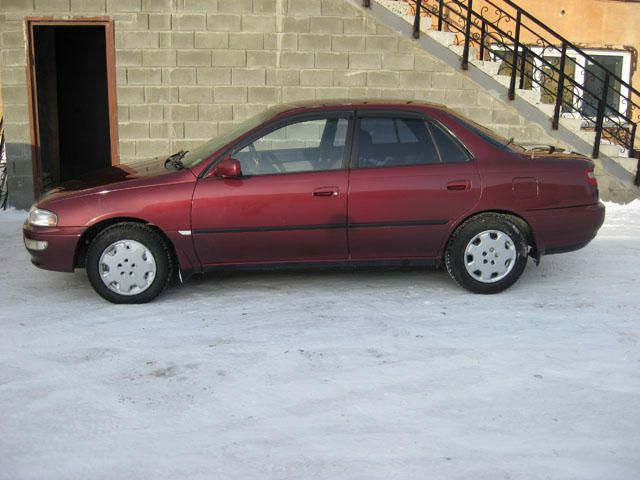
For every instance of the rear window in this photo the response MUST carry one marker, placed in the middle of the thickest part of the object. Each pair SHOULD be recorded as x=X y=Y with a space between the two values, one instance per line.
x=451 y=151
x=488 y=135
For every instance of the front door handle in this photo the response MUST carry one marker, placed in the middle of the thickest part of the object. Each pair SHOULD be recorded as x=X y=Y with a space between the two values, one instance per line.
x=326 y=192
x=459 y=185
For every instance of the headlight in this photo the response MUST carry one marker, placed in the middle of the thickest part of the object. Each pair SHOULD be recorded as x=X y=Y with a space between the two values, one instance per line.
x=42 y=218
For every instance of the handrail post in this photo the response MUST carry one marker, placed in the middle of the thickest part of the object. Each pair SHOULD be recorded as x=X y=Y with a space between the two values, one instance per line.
x=416 y=21
x=636 y=153
x=523 y=64
x=440 y=13
x=514 y=66
x=483 y=38
x=467 y=36
x=560 y=91
x=366 y=3
x=602 y=106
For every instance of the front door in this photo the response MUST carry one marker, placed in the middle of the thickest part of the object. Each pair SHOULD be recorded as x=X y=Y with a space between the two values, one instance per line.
x=289 y=205
x=410 y=179
x=73 y=98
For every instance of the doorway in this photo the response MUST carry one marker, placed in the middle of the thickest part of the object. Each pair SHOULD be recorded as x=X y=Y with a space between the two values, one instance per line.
x=72 y=99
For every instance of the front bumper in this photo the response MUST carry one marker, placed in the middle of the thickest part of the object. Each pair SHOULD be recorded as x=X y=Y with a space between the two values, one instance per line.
x=566 y=229
x=60 y=250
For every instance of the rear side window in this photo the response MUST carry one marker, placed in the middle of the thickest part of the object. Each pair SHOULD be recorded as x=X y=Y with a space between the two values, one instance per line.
x=449 y=148
x=394 y=141
x=487 y=135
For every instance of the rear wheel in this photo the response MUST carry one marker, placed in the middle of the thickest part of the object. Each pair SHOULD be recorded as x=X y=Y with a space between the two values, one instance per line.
x=129 y=263
x=487 y=254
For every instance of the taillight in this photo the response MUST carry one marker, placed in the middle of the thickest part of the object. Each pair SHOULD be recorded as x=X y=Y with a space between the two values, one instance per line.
x=591 y=177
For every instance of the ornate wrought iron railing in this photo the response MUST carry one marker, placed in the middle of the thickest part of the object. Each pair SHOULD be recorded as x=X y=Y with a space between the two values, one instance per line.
x=575 y=82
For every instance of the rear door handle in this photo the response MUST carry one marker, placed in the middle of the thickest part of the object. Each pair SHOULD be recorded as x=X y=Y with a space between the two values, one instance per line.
x=459 y=185
x=326 y=192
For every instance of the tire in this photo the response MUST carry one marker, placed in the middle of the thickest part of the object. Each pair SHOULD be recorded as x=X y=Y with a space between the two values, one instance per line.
x=487 y=253
x=129 y=263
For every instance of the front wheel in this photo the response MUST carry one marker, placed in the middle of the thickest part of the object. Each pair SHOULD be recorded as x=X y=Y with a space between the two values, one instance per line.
x=487 y=254
x=129 y=263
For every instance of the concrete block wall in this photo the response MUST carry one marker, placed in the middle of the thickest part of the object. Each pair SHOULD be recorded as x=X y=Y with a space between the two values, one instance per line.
x=188 y=70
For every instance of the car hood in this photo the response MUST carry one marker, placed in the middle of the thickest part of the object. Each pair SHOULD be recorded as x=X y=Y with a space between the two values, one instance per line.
x=116 y=174
x=130 y=175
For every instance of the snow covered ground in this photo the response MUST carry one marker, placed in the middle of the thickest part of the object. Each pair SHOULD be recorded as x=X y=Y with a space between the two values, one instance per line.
x=326 y=375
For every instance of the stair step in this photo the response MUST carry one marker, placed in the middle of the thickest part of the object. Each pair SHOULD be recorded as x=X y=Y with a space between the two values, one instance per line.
x=588 y=136
x=402 y=10
x=445 y=38
x=546 y=108
x=573 y=124
x=399 y=8
x=612 y=151
x=459 y=50
x=503 y=79
x=488 y=67
x=531 y=96
x=629 y=164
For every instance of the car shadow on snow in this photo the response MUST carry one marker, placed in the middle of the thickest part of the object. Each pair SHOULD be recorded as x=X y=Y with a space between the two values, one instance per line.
x=334 y=280
x=315 y=280
x=553 y=272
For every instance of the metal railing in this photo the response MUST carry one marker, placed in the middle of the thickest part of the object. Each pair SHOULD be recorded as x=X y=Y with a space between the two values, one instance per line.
x=576 y=83
x=4 y=193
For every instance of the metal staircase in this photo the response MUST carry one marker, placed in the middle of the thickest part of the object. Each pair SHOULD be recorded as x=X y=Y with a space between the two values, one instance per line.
x=532 y=61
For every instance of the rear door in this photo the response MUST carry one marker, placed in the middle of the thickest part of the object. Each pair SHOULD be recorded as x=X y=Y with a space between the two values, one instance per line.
x=289 y=205
x=410 y=179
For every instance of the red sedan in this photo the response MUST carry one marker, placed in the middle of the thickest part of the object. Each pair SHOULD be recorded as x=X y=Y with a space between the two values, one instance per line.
x=324 y=183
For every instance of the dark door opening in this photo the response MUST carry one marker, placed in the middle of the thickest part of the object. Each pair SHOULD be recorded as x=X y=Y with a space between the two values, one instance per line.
x=72 y=101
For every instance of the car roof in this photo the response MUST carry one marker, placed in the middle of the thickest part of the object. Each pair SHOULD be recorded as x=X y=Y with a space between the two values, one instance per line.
x=347 y=104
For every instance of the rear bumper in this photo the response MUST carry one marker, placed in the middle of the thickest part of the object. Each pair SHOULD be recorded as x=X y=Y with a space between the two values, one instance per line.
x=566 y=229
x=60 y=246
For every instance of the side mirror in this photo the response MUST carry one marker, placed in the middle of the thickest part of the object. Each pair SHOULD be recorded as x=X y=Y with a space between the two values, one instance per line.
x=228 y=168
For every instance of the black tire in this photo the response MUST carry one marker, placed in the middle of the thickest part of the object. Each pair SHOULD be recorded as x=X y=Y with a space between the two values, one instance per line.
x=148 y=238
x=457 y=257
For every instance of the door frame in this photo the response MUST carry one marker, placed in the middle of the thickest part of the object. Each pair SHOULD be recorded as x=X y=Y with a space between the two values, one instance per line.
x=32 y=90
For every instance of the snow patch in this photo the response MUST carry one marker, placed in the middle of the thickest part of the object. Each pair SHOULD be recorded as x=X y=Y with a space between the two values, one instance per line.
x=372 y=374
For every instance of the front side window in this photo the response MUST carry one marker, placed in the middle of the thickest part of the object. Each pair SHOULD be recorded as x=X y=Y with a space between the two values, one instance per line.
x=305 y=146
x=199 y=154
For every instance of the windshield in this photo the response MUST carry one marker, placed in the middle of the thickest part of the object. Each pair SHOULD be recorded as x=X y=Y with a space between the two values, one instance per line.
x=204 y=151
x=489 y=135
